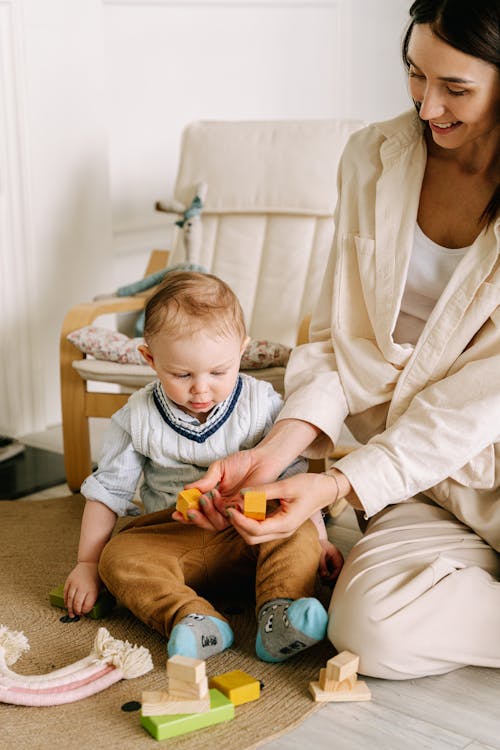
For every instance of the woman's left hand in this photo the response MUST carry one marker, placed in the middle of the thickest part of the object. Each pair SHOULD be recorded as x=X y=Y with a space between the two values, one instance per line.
x=299 y=496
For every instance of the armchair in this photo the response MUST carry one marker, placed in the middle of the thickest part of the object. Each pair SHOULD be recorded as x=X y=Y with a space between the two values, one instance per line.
x=267 y=227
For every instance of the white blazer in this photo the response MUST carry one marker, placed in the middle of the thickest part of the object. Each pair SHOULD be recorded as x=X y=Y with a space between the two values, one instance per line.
x=428 y=416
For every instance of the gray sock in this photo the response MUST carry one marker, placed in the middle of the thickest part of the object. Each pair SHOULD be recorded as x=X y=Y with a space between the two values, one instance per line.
x=286 y=627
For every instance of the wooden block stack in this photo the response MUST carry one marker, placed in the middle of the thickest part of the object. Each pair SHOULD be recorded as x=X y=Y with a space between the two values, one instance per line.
x=187 y=690
x=339 y=681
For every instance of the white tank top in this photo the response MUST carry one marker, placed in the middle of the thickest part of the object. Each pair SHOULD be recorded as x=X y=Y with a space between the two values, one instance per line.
x=431 y=267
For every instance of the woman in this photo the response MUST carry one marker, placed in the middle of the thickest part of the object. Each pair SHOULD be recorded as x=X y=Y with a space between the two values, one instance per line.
x=405 y=348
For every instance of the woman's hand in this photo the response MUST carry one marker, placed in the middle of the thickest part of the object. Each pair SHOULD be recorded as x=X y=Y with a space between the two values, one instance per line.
x=262 y=464
x=299 y=498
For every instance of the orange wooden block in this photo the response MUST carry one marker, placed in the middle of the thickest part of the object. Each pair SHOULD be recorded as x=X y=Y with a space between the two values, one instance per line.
x=188 y=500
x=254 y=504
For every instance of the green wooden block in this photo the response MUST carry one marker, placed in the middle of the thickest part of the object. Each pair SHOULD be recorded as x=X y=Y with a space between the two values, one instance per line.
x=163 y=727
x=104 y=604
x=56 y=596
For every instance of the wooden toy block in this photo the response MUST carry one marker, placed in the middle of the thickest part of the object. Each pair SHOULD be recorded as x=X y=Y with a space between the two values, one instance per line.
x=161 y=703
x=341 y=666
x=183 y=690
x=163 y=727
x=238 y=686
x=254 y=504
x=360 y=692
x=187 y=669
x=188 y=500
x=103 y=606
x=331 y=685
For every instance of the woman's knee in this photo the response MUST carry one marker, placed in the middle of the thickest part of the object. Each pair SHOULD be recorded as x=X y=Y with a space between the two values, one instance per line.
x=354 y=626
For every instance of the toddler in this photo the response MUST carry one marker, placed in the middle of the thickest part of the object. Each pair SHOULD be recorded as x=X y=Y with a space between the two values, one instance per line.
x=200 y=408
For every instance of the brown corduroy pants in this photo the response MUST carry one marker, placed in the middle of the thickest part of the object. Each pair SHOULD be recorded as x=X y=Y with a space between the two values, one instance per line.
x=158 y=568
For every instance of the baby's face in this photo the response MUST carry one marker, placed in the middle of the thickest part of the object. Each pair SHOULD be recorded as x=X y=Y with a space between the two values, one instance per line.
x=197 y=371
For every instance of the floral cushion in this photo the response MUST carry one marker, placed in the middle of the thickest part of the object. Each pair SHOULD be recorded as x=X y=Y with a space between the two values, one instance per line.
x=104 y=343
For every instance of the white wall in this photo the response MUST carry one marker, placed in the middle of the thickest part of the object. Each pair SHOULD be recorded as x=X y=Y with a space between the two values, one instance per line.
x=94 y=96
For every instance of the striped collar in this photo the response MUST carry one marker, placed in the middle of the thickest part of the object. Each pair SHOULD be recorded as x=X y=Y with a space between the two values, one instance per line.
x=190 y=427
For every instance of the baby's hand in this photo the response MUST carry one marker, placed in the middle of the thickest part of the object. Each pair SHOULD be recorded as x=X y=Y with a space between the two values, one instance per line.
x=331 y=562
x=81 y=588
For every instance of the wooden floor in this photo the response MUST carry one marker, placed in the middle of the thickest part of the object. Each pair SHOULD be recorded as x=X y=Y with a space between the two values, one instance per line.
x=454 y=711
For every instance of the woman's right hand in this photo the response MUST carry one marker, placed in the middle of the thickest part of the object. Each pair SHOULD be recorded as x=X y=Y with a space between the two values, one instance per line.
x=82 y=588
x=243 y=469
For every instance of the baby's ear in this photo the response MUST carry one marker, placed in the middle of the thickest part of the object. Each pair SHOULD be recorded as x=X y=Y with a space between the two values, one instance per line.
x=244 y=344
x=146 y=353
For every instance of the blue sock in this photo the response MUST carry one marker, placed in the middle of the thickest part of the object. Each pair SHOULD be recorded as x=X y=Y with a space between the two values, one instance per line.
x=199 y=636
x=286 y=627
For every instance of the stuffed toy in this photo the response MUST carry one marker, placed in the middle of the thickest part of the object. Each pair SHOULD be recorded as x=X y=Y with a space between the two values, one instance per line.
x=190 y=223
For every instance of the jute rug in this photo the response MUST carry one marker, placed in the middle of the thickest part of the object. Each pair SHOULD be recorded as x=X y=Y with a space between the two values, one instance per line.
x=38 y=542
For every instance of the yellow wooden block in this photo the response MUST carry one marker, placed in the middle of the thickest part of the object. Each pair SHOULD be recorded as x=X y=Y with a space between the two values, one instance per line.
x=238 y=686
x=187 y=669
x=341 y=666
x=360 y=692
x=331 y=685
x=188 y=500
x=254 y=504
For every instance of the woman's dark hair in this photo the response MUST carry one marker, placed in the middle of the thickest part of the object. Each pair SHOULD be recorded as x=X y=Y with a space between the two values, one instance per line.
x=471 y=26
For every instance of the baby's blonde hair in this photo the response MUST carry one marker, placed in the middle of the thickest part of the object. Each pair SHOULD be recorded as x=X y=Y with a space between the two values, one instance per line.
x=187 y=301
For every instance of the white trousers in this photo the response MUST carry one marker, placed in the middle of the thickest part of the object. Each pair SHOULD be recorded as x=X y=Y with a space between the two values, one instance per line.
x=419 y=595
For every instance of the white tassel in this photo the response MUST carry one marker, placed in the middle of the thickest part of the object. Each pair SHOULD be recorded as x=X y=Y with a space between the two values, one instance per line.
x=13 y=643
x=132 y=660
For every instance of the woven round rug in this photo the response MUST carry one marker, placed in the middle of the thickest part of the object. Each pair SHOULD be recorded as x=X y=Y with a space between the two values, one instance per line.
x=38 y=543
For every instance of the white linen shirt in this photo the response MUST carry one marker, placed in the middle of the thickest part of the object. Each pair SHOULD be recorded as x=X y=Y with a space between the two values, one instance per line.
x=150 y=435
x=428 y=415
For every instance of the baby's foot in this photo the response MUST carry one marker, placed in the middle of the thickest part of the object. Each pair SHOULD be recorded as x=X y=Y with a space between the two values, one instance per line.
x=286 y=627
x=199 y=636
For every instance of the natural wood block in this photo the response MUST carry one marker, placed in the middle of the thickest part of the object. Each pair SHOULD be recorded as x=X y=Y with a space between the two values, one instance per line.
x=238 y=686
x=187 y=669
x=360 y=692
x=188 y=500
x=186 y=690
x=341 y=666
x=163 y=727
x=254 y=504
x=330 y=685
x=161 y=703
